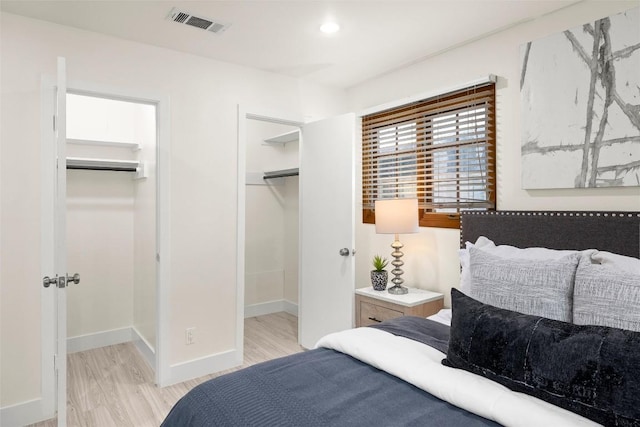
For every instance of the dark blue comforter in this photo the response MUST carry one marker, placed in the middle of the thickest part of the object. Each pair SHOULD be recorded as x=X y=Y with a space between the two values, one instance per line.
x=316 y=388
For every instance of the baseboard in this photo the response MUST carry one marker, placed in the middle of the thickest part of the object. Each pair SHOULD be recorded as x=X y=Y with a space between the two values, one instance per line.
x=112 y=337
x=291 y=307
x=99 y=339
x=144 y=347
x=270 y=307
x=203 y=366
x=22 y=414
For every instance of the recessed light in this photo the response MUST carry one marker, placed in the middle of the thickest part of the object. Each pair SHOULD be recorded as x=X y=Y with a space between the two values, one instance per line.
x=329 y=27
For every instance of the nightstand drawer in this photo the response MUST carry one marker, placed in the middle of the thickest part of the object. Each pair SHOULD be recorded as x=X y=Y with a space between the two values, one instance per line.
x=371 y=314
x=377 y=306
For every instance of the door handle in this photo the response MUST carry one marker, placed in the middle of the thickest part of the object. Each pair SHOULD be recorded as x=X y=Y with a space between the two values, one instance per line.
x=47 y=281
x=347 y=252
x=60 y=282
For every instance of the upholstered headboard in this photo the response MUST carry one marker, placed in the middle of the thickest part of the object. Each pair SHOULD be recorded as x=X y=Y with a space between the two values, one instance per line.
x=617 y=232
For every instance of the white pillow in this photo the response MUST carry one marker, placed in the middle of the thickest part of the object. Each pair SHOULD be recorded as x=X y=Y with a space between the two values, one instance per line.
x=506 y=252
x=618 y=262
x=443 y=316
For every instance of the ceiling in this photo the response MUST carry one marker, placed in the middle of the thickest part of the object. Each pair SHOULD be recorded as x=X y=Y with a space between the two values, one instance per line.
x=376 y=37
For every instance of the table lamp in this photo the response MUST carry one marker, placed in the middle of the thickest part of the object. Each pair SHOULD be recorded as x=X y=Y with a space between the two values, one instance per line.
x=397 y=216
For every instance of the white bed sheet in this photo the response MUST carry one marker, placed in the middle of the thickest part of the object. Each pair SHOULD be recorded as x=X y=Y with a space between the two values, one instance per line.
x=443 y=316
x=420 y=365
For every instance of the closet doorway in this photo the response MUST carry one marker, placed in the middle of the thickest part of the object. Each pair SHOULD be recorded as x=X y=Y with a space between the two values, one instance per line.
x=102 y=156
x=325 y=215
x=111 y=223
x=271 y=242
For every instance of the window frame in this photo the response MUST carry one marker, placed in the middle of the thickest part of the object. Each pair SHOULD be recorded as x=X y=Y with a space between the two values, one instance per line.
x=428 y=217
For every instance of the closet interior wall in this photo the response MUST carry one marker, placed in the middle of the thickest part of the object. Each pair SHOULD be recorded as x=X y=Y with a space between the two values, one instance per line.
x=272 y=235
x=111 y=225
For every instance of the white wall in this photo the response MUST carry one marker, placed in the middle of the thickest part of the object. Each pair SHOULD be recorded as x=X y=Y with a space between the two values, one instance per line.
x=100 y=208
x=430 y=256
x=269 y=261
x=144 y=233
x=204 y=95
x=100 y=119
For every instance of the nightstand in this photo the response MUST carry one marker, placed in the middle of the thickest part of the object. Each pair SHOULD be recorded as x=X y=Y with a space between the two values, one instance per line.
x=376 y=306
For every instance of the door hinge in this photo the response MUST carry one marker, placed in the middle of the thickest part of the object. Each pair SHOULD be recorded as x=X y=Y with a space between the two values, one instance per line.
x=54 y=123
x=55 y=362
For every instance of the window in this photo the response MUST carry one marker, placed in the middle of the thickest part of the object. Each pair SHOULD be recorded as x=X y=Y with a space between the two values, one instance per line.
x=440 y=150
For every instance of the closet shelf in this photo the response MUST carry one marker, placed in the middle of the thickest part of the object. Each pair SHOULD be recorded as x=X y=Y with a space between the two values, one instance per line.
x=281 y=173
x=290 y=136
x=131 y=145
x=80 y=163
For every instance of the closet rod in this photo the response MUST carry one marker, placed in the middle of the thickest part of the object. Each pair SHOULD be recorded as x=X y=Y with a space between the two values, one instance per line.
x=103 y=168
x=281 y=174
x=135 y=166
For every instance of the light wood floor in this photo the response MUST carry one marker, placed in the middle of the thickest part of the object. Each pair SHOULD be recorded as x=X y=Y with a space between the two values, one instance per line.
x=113 y=386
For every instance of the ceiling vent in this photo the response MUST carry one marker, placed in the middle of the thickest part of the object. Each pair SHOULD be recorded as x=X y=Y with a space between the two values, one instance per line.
x=182 y=17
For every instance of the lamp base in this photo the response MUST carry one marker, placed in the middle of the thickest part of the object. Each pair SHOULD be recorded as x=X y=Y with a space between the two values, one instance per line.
x=398 y=290
x=397 y=263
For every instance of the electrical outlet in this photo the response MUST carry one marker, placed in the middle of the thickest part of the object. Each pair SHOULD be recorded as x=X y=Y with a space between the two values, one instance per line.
x=190 y=336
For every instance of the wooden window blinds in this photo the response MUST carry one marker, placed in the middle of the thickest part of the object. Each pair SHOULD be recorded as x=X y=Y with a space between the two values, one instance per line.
x=440 y=150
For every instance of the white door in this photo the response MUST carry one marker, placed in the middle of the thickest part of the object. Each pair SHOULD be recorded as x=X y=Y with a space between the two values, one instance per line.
x=327 y=186
x=54 y=225
x=60 y=233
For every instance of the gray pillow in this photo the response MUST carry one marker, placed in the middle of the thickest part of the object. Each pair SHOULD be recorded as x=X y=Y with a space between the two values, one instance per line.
x=537 y=287
x=606 y=296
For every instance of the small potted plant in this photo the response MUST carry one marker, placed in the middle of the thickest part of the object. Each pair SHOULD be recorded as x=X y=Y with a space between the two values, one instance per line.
x=379 y=276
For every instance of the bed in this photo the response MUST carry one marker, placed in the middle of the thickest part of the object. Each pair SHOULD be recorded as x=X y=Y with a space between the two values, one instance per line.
x=519 y=352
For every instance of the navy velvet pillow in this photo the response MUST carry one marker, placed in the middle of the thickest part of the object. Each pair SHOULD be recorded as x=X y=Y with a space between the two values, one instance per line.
x=593 y=371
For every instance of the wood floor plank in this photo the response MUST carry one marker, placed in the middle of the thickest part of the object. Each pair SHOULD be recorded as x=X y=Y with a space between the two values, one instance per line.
x=113 y=386
x=86 y=393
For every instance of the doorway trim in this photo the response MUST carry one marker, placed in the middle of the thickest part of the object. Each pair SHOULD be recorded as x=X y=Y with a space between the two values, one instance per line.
x=245 y=114
x=163 y=226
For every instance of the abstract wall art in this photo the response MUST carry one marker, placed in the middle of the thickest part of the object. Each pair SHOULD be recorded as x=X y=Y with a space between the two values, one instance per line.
x=580 y=94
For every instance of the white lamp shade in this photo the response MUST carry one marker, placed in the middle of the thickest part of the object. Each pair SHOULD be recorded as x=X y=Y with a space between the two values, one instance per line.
x=396 y=216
